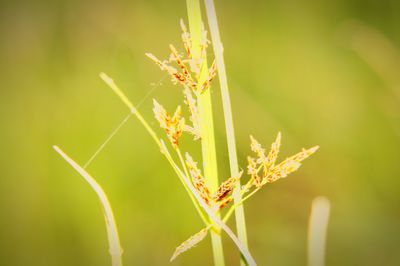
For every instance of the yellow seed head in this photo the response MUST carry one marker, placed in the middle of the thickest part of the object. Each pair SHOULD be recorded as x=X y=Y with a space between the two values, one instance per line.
x=173 y=126
x=198 y=180
x=224 y=189
x=270 y=171
x=257 y=149
x=192 y=105
x=273 y=154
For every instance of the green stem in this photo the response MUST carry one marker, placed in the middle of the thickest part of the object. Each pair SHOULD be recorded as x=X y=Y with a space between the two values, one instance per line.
x=230 y=134
x=112 y=232
x=206 y=119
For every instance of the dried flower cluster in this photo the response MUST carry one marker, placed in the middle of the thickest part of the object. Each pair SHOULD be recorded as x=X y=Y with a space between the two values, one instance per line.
x=266 y=163
x=190 y=79
x=221 y=197
x=261 y=169
x=185 y=76
x=173 y=126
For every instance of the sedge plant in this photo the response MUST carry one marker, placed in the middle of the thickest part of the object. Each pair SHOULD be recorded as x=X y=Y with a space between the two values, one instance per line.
x=192 y=71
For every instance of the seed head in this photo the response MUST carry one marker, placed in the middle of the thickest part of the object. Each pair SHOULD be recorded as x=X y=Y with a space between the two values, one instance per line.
x=173 y=126
x=225 y=188
x=270 y=171
x=198 y=180
x=192 y=105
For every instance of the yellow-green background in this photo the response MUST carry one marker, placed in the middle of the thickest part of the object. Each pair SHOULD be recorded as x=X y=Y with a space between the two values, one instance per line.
x=293 y=66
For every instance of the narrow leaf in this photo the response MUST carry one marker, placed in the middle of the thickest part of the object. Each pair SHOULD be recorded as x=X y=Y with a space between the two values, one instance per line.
x=112 y=232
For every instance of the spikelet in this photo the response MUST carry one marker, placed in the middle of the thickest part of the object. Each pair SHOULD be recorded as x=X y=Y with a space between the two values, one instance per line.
x=161 y=114
x=189 y=243
x=187 y=43
x=173 y=126
x=257 y=149
x=192 y=106
x=176 y=77
x=198 y=180
x=289 y=165
x=224 y=202
x=272 y=155
x=212 y=72
x=252 y=170
x=304 y=154
x=175 y=57
x=225 y=188
x=281 y=170
x=185 y=77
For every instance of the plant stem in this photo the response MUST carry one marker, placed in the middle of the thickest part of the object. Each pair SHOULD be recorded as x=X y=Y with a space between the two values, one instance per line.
x=230 y=134
x=206 y=119
x=112 y=232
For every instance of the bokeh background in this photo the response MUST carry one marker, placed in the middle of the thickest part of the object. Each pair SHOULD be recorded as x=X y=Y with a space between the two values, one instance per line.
x=322 y=72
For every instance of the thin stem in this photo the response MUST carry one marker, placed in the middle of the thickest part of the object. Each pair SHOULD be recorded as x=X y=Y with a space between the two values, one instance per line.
x=112 y=232
x=230 y=133
x=206 y=118
x=236 y=205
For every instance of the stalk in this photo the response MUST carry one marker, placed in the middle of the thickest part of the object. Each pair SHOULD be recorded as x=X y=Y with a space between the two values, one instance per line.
x=317 y=229
x=115 y=249
x=206 y=121
x=230 y=134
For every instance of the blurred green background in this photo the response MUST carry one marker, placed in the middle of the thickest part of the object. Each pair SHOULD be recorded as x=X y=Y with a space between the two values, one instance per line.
x=322 y=72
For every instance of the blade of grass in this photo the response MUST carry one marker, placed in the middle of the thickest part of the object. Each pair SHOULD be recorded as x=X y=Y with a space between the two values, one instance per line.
x=230 y=133
x=317 y=229
x=112 y=232
x=206 y=119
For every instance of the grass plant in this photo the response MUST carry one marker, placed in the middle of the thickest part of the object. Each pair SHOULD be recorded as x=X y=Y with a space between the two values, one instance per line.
x=192 y=72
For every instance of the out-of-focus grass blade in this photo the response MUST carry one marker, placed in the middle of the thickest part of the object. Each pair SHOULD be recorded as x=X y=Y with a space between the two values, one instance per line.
x=317 y=229
x=112 y=232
